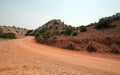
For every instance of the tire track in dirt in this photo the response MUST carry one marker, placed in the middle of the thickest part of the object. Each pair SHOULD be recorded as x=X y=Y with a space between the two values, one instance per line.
x=25 y=53
x=69 y=58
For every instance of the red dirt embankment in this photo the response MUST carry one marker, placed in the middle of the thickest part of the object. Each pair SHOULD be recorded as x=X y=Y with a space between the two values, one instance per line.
x=106 y=40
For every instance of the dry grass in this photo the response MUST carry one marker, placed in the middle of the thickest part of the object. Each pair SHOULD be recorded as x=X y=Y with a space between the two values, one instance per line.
x=101 y=39
x=19 y=32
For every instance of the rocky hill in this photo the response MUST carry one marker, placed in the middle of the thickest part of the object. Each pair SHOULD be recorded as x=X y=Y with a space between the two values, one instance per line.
x=102 y=37
x=19 y=32
x=51 y=26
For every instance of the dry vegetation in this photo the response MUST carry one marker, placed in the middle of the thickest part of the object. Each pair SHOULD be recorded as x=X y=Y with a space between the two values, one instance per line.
x=102 y=37
x=12 y=32
x=97 y=44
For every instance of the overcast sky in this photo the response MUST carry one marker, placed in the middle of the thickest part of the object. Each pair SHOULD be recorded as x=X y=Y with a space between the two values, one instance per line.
x=34 y=13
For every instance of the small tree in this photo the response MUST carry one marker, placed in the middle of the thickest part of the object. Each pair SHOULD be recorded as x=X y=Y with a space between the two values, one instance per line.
x=104 y=22
x=74 y=33
x=117 y=16
x=83 y=29
x=68 y=31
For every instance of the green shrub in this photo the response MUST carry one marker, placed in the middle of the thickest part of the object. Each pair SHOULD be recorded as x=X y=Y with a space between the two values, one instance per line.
x=29 y=32
x=104 y=22
x=38 y=38
x=75 y=34
x=16 y=31
x=62 y=32
x=115 y=51
x=7 y=35
x=91 y=48
x=56 y=32
x=43 y=30
x=83 y=29
x=117 y=16
x=44 y=35
x=1 y=30
x=71 y=47
x=68 y=31
x=40 y=32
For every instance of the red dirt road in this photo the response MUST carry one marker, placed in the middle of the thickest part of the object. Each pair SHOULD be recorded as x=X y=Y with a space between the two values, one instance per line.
x=26 y=57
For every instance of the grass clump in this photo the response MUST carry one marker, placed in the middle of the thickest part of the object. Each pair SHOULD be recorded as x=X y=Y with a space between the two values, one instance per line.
x=8 y=35
x=71 y=46
x=83 y=29
x=115 y=51
x=91 y=48
x=74 y=33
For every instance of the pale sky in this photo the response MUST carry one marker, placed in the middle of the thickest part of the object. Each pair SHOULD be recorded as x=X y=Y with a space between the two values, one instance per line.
x=34 y=13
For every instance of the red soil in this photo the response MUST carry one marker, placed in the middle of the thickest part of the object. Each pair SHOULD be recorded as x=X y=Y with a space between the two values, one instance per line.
x=26 y=57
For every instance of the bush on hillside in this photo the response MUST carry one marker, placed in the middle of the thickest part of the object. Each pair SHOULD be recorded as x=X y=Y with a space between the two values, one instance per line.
x=104 y=22
x=43 y=30
x=115 y=51
x=40 y=31
x=71 y=46
x=38 y=38
x=62 y=32
x=68 y=31
x=83 y=29
x=7 y=35
x=117 y=16
x=91 y=48
x=45 y=35
x=1 y=30
x=56 y=32
x=74 y=33
x=29 y=32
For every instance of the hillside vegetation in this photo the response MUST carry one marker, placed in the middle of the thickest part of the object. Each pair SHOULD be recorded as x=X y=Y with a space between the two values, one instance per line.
x=102 y=37
x=11 y=32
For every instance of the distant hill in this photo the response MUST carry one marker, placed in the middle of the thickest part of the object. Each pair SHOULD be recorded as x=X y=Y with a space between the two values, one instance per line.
x=19 y=32
x=102 y=37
